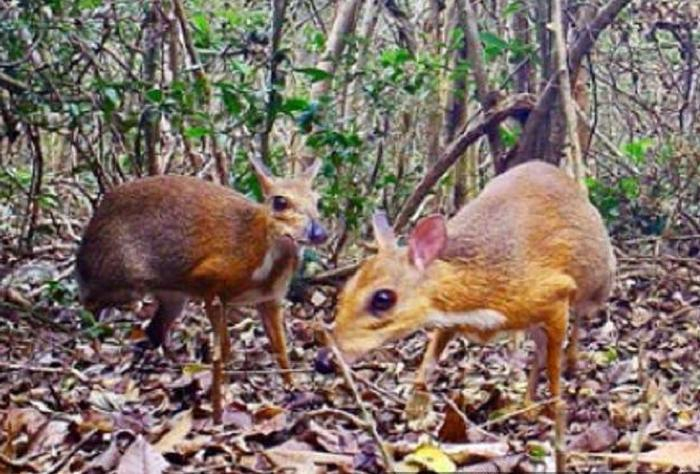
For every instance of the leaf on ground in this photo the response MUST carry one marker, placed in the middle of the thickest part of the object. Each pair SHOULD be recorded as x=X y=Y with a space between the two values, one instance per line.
x=18 y=421
x=454 y=428
x=333 y=441
x=496 y=466
x=181 y=427
x=141 y=458
x=427 y=457
x=301 y=458
x=108 y=459
x=683 y=454
x=598 y=437
x=468 y=452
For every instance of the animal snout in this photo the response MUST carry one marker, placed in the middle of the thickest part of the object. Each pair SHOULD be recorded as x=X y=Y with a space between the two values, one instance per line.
x=323 y=362
x=316 y=233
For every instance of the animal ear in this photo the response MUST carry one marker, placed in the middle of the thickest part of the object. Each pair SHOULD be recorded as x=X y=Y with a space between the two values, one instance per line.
x=383 y=233
x=427 y=241
x=311 y=171
x=263 y=174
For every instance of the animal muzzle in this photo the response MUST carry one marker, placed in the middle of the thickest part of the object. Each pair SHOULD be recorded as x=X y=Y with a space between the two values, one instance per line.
x=316 y=233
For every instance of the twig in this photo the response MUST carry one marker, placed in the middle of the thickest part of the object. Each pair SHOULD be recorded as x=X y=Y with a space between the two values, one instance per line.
x=466 y=420
x=22 y=464
x=59 y=465
x=360 y=423
x=31 y=313
x=371 y=427
x=512 y=414
x=335 y=275
x=45 y=370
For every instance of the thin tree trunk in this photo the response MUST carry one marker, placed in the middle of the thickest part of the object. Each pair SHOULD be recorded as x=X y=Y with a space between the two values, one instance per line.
x=366 y=33
x=433 y=104
x=535 y=128
x=476 y=60
x=31 y=215
x=572 y=147
x=455 y=112
x=342 y=27
x=273 y=97
x=151 y=116
x=221 y=160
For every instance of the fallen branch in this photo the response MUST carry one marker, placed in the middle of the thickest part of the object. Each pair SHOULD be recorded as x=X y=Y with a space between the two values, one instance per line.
x=59 y=465
x=45 y=370
x=370 y=425
x=22 y=465
x=512 y=414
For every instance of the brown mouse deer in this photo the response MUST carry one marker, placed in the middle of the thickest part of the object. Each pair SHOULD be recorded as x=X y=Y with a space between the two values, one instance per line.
x=522 y=255
x=179 y=237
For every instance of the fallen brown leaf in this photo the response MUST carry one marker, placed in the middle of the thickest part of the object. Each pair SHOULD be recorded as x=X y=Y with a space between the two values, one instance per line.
x=141 y=458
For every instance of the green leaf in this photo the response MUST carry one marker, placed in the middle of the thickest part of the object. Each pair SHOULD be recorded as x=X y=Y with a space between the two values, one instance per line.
x=513 y=8
x=394 y=57
x=155 y=96
x=196 y=132
x=314 y=74
x=629 y=187
x=231 y=101
x=111 y=100
x=294 y=104
x=636 y=150
x=88 y=4
x=493 y=45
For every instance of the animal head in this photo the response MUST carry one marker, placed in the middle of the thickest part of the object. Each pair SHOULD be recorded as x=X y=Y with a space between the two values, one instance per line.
x=387 y=298
x=293 y=203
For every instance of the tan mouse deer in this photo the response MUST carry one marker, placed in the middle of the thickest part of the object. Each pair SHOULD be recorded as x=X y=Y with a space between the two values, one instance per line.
x=179 y=237
x=520 y=256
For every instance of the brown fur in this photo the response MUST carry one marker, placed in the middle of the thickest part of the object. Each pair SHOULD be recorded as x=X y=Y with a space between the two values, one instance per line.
x=530 y=246
x=178 y=237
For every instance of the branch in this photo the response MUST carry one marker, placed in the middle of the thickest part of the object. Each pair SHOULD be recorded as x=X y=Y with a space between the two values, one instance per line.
x=12 y=84
x=510 y=107
x=581 y=46
x=475 y=53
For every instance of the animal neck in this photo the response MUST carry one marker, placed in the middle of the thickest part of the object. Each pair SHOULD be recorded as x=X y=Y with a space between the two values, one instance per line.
x=462 y=285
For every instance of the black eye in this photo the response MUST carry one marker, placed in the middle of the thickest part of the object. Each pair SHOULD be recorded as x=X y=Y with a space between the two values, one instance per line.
x=279 y=203
x=382 y=300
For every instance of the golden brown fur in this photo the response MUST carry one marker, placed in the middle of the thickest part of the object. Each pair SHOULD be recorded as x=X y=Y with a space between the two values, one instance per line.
x=529 y=247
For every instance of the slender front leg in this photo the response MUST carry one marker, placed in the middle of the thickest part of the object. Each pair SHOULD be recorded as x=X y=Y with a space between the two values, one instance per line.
x=438 y=341
x=419 y=403
x=273 y=321
x=220 y=348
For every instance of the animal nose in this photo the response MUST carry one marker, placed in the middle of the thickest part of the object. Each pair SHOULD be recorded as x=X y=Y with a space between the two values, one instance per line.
x=316 y=233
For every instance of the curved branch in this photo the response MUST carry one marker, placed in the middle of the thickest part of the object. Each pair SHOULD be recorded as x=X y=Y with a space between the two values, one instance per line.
x=511 y=107
x=582 y=45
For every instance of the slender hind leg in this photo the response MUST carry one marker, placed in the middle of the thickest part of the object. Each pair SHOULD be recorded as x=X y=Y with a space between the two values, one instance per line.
x=539 y=336
x=219 y=351
x=170 y=306
x=572 y=348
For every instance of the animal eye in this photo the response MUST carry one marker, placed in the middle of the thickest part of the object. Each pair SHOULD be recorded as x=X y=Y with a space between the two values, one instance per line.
x=279 y=203
x=382 y=300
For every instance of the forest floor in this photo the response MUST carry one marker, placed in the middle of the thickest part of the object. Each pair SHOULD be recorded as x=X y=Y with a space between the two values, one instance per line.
x=75 y=396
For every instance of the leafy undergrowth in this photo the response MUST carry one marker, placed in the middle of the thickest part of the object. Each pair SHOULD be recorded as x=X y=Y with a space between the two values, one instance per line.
x=78 y=395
